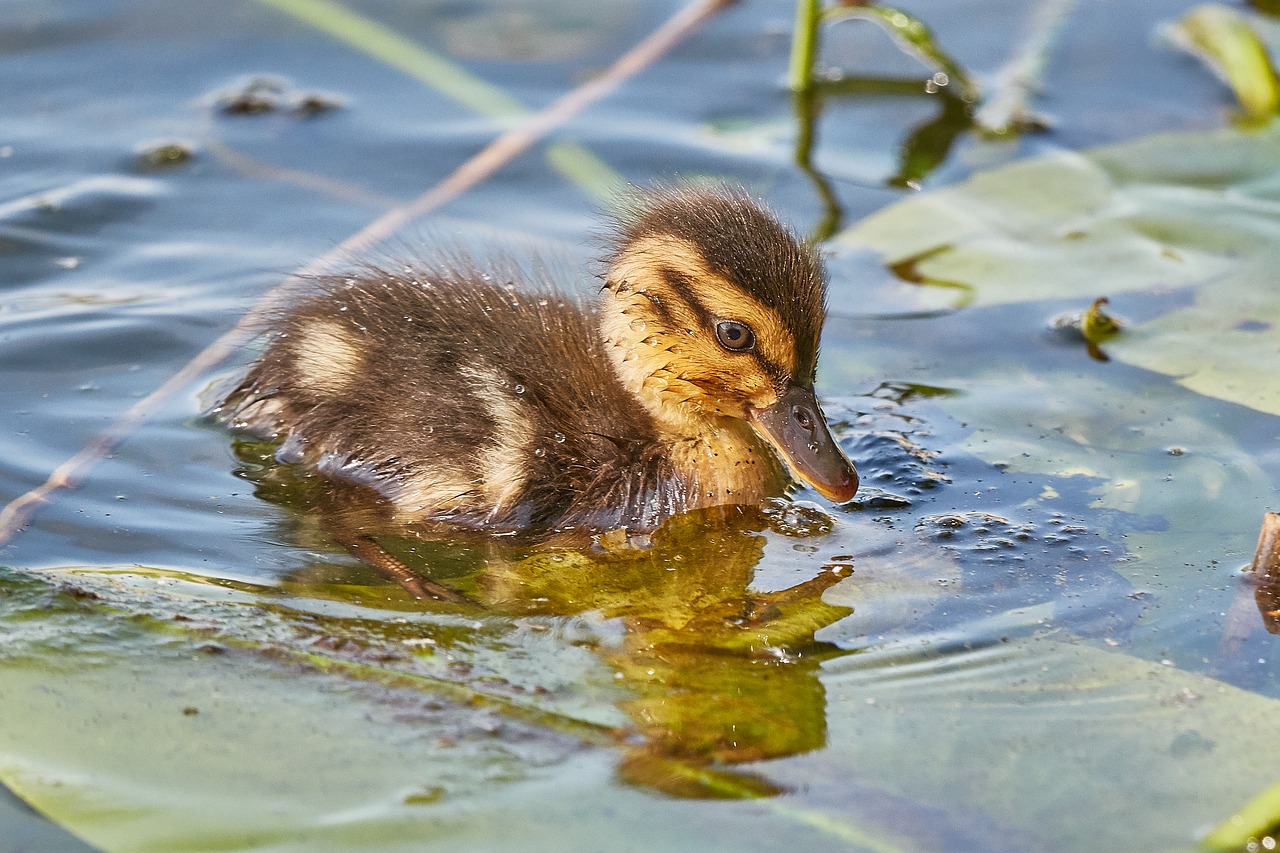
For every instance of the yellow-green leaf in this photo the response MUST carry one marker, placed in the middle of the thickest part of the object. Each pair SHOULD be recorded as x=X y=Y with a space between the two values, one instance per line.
x=1229 y=45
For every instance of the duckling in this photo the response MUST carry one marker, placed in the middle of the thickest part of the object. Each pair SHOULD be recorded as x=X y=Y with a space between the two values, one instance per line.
x=466 y=401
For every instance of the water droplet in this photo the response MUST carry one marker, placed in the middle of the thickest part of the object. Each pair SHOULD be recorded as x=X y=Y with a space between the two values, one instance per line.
x=559 y=437
x=519 y=389
x=539 y=452
x=637 y=325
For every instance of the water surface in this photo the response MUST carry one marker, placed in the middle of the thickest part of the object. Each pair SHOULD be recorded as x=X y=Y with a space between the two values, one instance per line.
x=974 y=655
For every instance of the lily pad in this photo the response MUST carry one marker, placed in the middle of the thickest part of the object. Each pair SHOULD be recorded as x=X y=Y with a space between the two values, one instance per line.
x=1192 y=213
x=228 y=738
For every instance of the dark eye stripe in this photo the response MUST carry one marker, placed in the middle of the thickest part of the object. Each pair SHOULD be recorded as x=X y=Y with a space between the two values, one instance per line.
x=679 y=284
x=681 y=288
x=661 y=310
x=771 y=367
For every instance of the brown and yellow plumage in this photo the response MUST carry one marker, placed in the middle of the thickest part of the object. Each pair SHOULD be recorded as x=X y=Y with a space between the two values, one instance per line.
x=470 y=402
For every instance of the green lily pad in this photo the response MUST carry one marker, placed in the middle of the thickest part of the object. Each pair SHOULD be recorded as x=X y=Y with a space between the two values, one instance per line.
x=1197 y=214
x=1143 y=740
x=163 y=711
x=196 y=715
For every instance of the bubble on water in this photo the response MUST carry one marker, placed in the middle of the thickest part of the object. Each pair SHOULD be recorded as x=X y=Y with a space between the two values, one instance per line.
x=797 y=518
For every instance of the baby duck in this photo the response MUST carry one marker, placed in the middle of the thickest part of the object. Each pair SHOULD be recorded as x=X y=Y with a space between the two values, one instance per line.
x=472 y=403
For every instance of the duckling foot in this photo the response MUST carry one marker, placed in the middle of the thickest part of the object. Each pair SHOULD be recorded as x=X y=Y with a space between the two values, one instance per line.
x=413 y=583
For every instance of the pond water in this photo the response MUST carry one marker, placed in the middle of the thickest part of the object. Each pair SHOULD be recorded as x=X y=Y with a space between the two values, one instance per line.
x=1028 y=632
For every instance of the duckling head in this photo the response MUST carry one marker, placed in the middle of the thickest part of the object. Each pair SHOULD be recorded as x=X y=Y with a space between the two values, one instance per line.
x=712 y=312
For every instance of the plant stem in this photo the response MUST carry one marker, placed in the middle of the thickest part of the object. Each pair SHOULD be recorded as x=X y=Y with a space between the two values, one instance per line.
x=1007 y=106
x=804 y=45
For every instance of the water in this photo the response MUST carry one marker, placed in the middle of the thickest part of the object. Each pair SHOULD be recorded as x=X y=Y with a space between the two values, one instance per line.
x=970 y=656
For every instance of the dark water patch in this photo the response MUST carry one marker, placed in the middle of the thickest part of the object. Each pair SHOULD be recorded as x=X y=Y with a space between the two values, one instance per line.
x=28 y=831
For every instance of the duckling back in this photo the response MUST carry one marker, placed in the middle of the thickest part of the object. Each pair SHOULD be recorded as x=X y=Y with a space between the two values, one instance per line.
x=459 y=400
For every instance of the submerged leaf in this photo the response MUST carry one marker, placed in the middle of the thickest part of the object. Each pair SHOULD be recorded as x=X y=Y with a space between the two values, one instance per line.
x=691 y=780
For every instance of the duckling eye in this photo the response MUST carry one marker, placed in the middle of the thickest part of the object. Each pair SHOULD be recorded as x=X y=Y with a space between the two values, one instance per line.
x=735 y=336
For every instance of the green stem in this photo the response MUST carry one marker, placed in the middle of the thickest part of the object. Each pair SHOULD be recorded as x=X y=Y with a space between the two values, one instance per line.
x=570 y=159
x=804 y=44
x=1007 y=108
x=388 y=46
x=914 y=38
x=807 y=105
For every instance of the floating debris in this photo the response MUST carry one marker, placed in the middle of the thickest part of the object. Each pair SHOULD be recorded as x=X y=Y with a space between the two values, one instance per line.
x=159 y=154
x=1092 y=326
x=259 y=95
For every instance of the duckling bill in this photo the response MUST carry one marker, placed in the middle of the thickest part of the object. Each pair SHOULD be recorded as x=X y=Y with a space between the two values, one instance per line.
x=471 y=401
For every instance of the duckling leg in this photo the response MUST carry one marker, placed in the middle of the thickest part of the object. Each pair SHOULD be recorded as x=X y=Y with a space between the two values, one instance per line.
x=413 y=583
x=347 y=511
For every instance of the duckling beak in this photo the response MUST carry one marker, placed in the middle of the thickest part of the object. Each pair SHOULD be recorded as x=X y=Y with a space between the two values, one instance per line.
x=797 y=429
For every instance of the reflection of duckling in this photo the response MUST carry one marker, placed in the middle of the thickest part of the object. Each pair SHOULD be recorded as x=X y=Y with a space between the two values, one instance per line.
x=469 y=402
